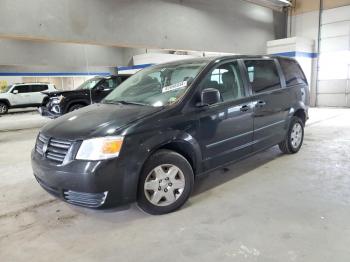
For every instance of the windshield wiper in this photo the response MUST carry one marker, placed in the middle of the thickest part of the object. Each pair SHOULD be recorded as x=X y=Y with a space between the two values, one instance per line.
x=123 y=102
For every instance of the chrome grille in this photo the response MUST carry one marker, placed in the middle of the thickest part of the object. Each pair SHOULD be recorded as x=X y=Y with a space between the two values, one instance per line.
x=52 y=148
x=40 y=142
x=93 y=200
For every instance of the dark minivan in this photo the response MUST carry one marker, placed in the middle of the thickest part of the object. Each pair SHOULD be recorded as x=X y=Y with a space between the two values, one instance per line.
x=150 y=138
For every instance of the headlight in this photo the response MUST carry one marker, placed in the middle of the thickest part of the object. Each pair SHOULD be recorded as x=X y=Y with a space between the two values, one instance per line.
x=57 y=99
x=100 y=148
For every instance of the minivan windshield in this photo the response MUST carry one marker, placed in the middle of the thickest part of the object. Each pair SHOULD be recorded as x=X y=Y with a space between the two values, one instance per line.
x=89 y=84
x=157 y=86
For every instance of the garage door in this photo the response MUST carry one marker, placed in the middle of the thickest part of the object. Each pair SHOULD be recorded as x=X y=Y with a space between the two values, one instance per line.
x=334 y=67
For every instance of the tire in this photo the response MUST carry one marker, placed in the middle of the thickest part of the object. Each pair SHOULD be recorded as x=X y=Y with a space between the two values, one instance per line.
x=165 y=184
x=75 y=107
x=3 y=108
x=295 y=136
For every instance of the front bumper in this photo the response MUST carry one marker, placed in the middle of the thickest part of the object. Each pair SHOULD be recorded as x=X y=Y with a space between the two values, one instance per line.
x=44 y=111
x=93 y=184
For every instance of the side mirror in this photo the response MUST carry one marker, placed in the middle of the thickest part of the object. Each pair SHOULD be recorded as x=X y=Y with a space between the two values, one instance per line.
x=15 y=92
x=210 y=96
x=100 y=88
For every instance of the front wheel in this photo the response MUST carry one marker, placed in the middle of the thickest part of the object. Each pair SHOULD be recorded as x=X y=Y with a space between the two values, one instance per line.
x=294 y=138
x=3 y=108
x=75 y=107
x=166 y=183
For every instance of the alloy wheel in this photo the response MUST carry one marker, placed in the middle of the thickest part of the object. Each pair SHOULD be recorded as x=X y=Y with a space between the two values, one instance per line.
x=3 y=108
x=296 y=135
x=164 y=185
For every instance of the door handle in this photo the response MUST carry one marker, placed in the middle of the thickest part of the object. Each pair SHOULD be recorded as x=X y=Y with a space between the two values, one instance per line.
x=244 y=108
x=260 y=103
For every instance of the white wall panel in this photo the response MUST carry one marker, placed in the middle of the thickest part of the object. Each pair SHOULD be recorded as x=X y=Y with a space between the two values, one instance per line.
x=335 y=44
x=332 y=72
x=338 y=100
x=336 y=15
x=333 y=86
x=341 y=58
x=336 y=29
x=334 y=64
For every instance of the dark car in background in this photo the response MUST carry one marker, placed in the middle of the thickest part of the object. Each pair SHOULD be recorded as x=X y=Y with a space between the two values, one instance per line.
x=150 y=138
x=91 y=91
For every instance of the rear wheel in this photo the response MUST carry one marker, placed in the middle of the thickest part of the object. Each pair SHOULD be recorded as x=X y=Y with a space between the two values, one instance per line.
x=166 y=183
x=294 y=138
x=3 y=108
x=75 y=107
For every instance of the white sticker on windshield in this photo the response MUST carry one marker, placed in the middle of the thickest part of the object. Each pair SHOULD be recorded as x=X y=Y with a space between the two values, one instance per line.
x=173 y=87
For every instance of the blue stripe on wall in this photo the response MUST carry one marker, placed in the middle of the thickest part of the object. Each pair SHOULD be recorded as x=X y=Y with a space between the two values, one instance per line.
x=54 y=74
x=121 y=68
x=298 y=54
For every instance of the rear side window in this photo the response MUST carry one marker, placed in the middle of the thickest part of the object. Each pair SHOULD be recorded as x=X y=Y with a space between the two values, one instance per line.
x=39 y=88
x=292 y=72
x=263 y=75
x=22 y=89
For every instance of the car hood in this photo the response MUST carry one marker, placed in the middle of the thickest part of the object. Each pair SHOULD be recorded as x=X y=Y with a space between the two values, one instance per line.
x=64 y=93
x=96 y=120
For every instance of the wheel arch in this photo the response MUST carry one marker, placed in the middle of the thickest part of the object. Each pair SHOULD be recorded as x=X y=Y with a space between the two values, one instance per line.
x=181 y=143
x=7 y=102
x=184 y=149
x=298 y=109
x=177 y=141
x=301 y=114
x=76 y=102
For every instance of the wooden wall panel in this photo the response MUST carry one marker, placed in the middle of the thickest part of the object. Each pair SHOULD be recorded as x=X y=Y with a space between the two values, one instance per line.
x=328 y=4
x=29 y=79
x=304 y=6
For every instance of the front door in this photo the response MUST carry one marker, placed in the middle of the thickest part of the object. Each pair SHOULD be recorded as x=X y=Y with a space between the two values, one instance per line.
x=226 y=128
x=20 y=95
x=271 y=102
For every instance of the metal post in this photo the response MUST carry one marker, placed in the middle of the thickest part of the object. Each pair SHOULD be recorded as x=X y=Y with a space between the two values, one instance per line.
x=318 y=49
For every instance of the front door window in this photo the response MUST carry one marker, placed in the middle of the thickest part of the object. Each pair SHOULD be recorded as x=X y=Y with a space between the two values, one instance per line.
x=227 y=79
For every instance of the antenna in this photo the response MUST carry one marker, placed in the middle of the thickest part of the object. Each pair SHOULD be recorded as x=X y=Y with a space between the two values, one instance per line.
x=87 y=69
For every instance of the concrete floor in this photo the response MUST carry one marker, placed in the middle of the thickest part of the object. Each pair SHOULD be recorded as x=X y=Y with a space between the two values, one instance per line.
x=19 y=119
x=270 y=207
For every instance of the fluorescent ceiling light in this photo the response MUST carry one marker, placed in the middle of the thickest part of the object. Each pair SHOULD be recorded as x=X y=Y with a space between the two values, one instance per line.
x=282 y=2
x=272 y=3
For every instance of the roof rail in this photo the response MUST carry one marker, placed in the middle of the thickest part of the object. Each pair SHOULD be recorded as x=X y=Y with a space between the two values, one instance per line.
x=32 y=83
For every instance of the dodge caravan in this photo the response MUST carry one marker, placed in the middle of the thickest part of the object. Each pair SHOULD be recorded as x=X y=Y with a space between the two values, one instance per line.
x=151 y=137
